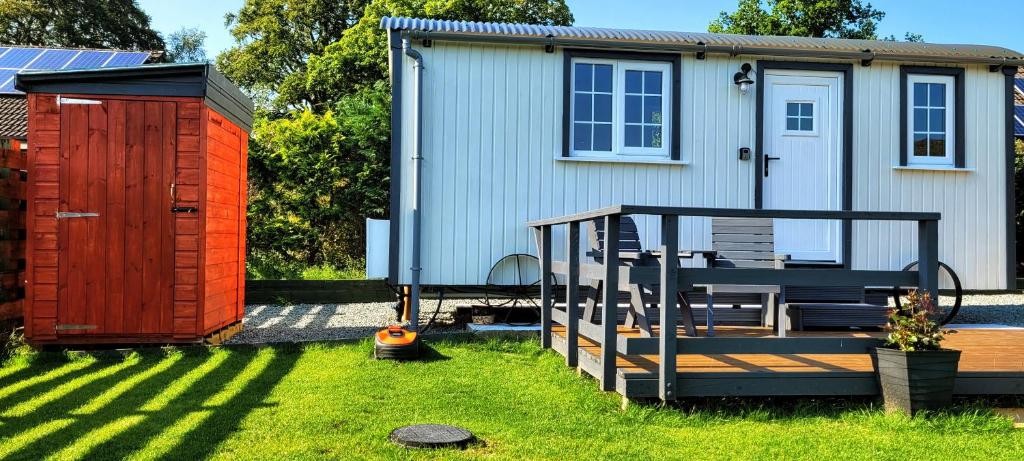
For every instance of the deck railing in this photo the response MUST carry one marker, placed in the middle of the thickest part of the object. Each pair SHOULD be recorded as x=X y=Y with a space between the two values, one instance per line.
x=672 y=278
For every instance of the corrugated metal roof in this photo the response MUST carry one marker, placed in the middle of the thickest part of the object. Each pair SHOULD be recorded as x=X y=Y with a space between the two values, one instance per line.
x=13 y=117
x=740 y=44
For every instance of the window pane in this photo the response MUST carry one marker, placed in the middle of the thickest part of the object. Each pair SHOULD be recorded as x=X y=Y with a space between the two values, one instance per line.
x=603 y=108
x=807 y=109
x=920 y=94
x=937 y=94
x=634 y=109
x=633 y=136
x=634 y=81
x=937 y=145
x=792 y=123
x=582 y=107
x=920 y=145
x=603 y=78
x=792 y=109
x=603 y=137
x=937 y=121
x=652 y=109
x=584 y=78
x=581 y=136
x=920 y=119
x=807 y=124
x=652 y=82
x=652 y=136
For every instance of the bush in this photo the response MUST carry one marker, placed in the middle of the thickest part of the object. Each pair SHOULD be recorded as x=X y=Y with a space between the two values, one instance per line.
x=314 y=179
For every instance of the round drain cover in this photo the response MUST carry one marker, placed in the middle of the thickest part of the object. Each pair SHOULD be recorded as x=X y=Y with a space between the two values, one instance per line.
x=431 y=436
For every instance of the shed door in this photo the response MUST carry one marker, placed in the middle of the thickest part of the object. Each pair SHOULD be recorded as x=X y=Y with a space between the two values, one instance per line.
x=116 y=235
x=802 y=136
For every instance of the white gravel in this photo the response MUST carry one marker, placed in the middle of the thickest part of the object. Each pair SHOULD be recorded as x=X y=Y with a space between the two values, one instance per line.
x=322 y=322
x=268 y=323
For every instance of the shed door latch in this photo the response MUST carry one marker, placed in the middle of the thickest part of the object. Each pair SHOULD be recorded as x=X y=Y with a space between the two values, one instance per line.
x=73 y=214
x=184 y=209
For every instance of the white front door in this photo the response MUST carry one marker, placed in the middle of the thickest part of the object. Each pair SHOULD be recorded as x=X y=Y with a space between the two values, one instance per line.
x=802 y=142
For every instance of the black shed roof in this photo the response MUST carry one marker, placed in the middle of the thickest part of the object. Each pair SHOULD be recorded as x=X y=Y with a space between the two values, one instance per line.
x=199 y=80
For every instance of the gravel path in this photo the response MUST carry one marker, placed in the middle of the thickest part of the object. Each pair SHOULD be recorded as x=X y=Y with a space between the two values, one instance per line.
x=319 y=322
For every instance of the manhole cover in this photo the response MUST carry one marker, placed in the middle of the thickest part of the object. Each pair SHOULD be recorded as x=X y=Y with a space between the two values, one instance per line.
x=431 y=436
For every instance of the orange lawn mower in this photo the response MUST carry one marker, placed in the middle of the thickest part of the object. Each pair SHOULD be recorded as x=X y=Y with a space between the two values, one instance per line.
x=399 y=343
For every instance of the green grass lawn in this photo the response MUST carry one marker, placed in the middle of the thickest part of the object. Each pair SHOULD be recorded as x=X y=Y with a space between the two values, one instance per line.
x=335 y=401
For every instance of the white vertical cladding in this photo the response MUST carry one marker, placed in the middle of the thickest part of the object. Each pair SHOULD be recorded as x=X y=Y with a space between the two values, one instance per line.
x=492 y=157
x=492 y=161
x=972 y=231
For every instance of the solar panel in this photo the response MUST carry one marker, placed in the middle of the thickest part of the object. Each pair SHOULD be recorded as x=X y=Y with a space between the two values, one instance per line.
x=7 y=80
x=127 y=59
x=1019 y=119
x=18 y=58
x=89 y=60
x=15 y=59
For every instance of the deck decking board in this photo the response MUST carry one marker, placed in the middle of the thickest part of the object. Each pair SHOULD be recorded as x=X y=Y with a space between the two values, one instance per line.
x=992 y=362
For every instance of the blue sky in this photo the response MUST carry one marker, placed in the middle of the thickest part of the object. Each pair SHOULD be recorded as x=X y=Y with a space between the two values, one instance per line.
x=987 y=22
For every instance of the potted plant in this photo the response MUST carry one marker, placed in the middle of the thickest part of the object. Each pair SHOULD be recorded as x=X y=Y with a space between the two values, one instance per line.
x=914 y=371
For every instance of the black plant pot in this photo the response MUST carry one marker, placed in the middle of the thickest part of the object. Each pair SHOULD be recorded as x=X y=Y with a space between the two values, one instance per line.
x=915 y=381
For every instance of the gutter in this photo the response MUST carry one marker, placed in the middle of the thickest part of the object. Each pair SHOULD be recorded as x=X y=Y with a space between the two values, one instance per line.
x=417 y=169
x=732 y=50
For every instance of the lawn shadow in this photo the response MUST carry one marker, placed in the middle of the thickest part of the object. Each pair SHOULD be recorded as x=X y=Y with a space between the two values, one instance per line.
x=216 y=421
x=429 y=354
x=124 y=405
x=201 y=441
x=44 y=385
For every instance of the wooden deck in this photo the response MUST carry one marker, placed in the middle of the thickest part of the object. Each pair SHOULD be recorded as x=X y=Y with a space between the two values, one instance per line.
x=992 y=362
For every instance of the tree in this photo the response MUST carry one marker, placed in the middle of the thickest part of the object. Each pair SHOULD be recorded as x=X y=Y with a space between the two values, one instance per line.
x=186 y=45
x=119 y=24
x=908 y=37
x=275 y=39
x=279 y=41
x=314 y=178
x=361 y=55
x=803 y=18
x=320 y=152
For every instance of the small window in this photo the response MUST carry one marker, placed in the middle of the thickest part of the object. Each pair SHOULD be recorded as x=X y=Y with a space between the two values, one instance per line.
x=620 y=107
x=931 y=119
x=800 y=116
x=592 y=107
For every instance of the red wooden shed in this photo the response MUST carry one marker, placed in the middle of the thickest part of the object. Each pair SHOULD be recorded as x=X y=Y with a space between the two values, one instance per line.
x=136 y=199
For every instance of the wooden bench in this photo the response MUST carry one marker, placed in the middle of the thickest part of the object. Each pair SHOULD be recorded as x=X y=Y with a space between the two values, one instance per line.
x=834 y=307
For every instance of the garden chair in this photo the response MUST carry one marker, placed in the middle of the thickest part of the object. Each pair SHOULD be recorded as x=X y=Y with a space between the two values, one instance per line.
x=631 y=253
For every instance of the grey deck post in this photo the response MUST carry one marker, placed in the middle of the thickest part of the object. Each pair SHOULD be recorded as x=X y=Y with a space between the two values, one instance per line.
x=669 y=287
x=546 y=302
x=928 y=258
x=572 y=295
x=610 y=301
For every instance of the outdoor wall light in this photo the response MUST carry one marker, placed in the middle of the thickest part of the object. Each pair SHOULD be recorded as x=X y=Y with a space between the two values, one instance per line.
x=742 y=78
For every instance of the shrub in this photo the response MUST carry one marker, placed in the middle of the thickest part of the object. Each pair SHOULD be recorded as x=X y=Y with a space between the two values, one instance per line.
x=914 y=329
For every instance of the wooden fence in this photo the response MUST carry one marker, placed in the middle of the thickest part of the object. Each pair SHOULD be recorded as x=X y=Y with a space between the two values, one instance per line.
x=317 y=291
x=12 y=229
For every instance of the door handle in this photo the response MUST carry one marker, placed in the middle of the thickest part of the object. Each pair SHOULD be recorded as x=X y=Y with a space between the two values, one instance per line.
x=767 y=160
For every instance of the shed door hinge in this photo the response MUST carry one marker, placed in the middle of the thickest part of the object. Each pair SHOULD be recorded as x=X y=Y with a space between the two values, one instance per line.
x=72 y=214
x=62 y=100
